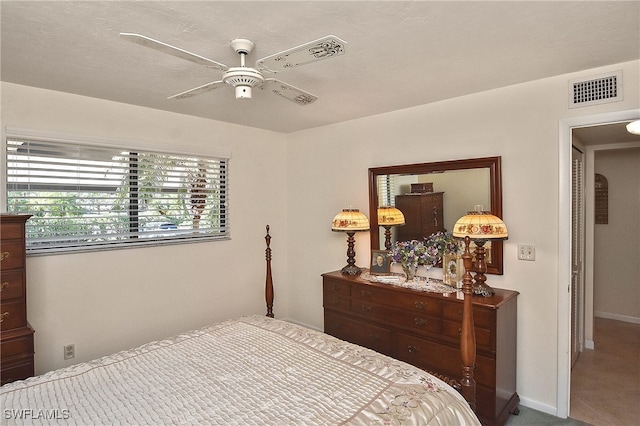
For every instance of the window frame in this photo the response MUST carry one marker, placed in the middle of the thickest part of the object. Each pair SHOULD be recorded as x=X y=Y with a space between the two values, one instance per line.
x=221 y=159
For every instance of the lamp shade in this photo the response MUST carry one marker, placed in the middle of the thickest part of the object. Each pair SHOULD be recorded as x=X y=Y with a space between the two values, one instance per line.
x=480 y=225
x=634 y=127
x=350 y=220
x=390 y=216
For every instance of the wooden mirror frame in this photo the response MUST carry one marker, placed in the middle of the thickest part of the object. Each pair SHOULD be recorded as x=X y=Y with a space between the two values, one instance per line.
x=495 y=183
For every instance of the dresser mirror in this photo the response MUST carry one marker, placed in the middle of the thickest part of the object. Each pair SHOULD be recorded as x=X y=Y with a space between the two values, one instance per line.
x=457 y=186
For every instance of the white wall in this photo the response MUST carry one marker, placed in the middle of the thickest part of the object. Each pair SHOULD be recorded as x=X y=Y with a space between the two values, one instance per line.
x=328 y=171
x=112 y=300
x=617 y=244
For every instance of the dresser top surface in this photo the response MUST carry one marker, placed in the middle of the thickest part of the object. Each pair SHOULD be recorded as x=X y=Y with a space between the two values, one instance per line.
x=418 y=194
x=13 y=218
x=500 y=297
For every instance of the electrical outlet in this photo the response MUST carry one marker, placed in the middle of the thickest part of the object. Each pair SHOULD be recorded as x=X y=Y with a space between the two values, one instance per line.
x=69 y=351
x=526 y=252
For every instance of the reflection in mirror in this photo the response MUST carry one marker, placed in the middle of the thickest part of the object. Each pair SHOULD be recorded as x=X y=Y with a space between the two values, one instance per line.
x=433 y=196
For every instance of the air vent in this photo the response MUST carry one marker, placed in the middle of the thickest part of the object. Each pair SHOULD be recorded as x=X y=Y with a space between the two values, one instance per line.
x=596 y=90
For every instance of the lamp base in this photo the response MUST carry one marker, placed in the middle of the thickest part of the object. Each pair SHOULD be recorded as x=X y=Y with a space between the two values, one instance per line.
x=351 y=270
x=483 y=290
x=479 y=285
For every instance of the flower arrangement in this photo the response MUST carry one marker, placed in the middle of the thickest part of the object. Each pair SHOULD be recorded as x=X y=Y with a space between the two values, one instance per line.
x=429 y=252
x=442 y=243
x=410 y=254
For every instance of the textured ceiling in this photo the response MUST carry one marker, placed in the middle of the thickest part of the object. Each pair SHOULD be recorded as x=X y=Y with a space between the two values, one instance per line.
x=399 y=54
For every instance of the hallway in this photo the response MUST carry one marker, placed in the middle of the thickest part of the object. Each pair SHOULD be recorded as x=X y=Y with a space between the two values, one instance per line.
x=605 y=382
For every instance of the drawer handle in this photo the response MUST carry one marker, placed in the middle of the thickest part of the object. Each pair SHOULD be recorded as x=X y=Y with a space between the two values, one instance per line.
x=366 y=293
x=365 y=308
x=3 y=316
x=420 y=305
x=3 y=285
x=4 y=255
x=412 y=349
x=335 y=301
x=420 y=321
x=336 y=287
x=374 y=338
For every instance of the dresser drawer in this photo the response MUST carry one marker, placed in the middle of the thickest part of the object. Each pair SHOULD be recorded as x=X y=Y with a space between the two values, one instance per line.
x=444 y=359
x=16 y=371
x=483 y=336
x=410 y=302
x=453 y=311
x=333 y=286
x=418 y=320
x=12 y=230
x=11 y=253
x=360 y=333
x=13 y=315
x=12 y=285
x=336 y=301
x=17 y=347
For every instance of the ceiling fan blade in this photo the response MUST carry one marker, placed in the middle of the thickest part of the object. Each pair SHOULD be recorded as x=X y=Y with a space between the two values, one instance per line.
x=172 y=50
x=288 y=91
x=198 y=90
x=324 y=48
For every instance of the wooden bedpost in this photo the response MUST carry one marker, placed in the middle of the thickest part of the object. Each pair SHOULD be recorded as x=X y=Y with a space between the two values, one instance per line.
x=468 y=334
x=268 y=288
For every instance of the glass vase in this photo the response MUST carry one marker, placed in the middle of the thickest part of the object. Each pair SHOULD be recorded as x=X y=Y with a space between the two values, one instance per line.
x=428 y=268
x=409 y=271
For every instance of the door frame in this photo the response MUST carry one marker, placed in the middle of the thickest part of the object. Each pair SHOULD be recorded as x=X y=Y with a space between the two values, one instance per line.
x=578 y=328
x=564 y=245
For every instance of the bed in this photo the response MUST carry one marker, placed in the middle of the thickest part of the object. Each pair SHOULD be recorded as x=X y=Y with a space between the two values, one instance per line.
x=253 y=370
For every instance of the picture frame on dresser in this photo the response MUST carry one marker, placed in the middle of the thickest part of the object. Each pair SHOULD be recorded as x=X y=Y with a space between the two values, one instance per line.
x=380 y=262
x=453 y=269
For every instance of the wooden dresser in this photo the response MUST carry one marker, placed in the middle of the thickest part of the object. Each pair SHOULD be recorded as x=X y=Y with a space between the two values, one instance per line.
x=423 y=329
x=16 y=335
x=423 y=215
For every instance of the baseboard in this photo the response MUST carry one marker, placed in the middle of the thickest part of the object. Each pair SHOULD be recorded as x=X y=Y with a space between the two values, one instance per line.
x=588 y=344
x=538 y=406
x=302 y=324
x=617 y=317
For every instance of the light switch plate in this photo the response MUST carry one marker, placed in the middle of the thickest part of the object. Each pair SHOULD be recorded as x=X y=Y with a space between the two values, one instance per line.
x=526 y=252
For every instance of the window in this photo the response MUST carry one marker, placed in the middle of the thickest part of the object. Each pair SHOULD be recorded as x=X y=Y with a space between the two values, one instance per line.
x=86 y=196
x=386 y=190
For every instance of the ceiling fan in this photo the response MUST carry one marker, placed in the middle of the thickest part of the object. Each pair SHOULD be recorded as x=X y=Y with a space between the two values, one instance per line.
x=244 y=78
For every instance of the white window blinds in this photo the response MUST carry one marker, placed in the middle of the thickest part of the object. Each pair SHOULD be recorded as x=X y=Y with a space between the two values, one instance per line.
x=386 y=190
x=86 y=196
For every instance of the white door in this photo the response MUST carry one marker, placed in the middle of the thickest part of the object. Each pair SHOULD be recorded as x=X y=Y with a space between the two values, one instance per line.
x=577 y=254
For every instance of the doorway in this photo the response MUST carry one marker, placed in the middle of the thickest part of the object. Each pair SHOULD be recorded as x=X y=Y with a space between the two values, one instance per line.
x=565 y=238
x=602 y=393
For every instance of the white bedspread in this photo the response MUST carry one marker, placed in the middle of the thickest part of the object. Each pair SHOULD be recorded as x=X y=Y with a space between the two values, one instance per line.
x=250 y=371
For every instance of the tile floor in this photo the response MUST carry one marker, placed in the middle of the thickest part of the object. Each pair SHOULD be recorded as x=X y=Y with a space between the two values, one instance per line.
x=605 y=382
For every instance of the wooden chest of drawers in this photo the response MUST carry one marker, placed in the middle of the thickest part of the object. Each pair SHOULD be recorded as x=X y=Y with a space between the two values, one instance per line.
x=16 y=335
x=423 y=215
x=423 y=329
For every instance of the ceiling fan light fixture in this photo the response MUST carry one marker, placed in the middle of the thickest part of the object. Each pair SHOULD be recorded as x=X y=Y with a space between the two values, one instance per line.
x=243 y=79
x=243 y=92
x=634 y=127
